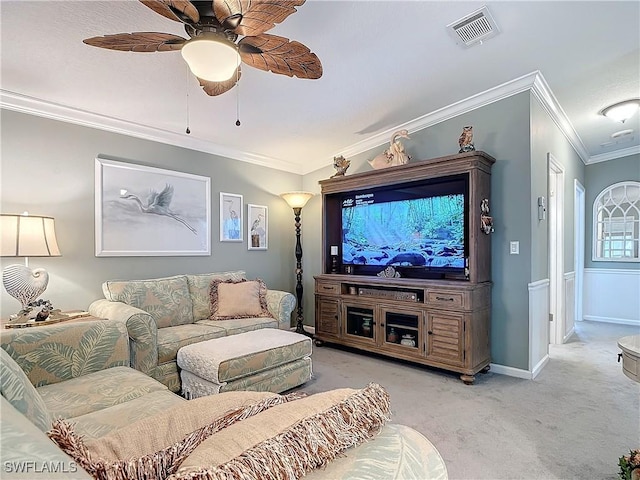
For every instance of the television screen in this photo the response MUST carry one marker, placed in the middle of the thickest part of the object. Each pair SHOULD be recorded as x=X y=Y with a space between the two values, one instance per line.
x=421 y=229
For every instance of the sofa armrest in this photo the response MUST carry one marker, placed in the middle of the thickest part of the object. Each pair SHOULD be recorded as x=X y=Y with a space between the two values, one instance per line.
x=60 y=352
x=280 y=304
x=142 y=330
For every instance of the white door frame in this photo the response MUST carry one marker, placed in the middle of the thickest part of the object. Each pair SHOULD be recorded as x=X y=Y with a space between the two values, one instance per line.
x=556 y=250
x=578 y=249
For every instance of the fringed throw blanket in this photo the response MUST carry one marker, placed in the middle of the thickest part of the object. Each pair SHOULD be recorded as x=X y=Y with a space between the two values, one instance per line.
x=274 y=438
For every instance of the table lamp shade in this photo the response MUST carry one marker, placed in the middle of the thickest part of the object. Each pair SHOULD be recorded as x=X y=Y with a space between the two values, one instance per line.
x=28 y=236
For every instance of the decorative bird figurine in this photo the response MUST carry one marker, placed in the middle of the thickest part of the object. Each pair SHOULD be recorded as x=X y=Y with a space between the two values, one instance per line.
x=466 y=140
x=340 y=164
x=394 y=155
x=158 y=204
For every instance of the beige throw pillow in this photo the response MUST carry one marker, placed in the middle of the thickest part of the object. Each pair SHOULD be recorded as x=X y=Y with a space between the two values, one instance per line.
x=238 y=299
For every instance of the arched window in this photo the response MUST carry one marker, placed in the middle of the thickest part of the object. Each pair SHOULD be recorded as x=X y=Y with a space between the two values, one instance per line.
x=616 y=223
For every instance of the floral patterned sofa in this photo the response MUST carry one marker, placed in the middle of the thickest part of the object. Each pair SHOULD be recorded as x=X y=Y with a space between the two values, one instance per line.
x=164 y=314
x=72 y=409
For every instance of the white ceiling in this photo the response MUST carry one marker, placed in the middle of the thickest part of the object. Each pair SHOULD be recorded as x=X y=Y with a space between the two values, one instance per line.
x=386 y=64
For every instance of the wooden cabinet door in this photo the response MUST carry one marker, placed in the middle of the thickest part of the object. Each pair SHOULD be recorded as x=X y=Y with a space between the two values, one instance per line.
x=445 y=337
x=327 y=316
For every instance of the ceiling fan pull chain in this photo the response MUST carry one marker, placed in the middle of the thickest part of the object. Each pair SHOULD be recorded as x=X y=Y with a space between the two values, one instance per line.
x=238 y=96
x=188 y=130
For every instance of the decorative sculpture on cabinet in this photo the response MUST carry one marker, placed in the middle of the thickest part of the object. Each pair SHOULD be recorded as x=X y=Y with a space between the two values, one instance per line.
x=394 y=155
x=466 y=140
x=341 y=164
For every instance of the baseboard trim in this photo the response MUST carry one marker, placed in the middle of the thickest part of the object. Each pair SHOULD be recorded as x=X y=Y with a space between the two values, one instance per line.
x=568 y=335
x=511 y=371
x=620 y=321
x=538 y=368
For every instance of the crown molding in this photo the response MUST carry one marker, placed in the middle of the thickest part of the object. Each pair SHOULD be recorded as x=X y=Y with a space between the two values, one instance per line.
x=33 y=106
x=533 y=81
x=625 y=152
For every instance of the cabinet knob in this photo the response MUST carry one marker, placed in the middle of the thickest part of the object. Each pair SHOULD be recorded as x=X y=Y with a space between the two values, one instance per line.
x=430 y=332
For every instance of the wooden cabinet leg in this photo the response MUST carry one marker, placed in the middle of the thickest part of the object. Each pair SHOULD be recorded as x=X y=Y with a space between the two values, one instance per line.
x=468 y=379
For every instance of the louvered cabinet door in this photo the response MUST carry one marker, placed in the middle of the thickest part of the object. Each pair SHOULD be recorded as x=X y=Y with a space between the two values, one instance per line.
x=445 y=337
x=327 y=317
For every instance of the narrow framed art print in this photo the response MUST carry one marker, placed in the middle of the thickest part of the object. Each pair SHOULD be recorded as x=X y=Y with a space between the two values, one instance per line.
x=230 y=217
x=148 y=211
x=257 y=227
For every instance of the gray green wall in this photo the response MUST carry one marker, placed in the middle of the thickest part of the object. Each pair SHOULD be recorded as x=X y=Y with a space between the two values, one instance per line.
x=599 y=176
x=47 y=168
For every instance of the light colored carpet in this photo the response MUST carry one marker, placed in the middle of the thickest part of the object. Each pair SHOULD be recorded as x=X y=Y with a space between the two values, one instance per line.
x=573 y=421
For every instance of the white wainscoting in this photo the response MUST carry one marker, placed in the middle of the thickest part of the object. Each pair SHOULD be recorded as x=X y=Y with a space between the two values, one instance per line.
x=538 y=325
x=612 y=295
x=569 y=305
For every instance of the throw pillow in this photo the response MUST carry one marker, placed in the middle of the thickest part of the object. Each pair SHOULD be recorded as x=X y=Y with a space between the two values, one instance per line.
x=154 y=447
x=238 y=299
x=287 y=441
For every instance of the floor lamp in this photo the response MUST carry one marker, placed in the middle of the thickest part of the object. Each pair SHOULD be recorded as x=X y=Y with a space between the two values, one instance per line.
x=297 y=200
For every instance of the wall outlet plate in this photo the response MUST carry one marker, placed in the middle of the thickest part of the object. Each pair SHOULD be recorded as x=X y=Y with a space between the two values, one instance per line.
x=514 y=248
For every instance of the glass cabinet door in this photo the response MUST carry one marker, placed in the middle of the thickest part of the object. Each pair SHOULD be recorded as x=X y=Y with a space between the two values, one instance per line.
x=359 y=322
x=402 y=329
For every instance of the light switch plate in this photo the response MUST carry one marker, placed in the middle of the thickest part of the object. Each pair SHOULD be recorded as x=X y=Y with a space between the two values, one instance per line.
x=514 y=248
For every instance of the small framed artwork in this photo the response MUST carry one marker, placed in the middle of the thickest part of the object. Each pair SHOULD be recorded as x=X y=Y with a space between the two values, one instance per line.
x=230 y=217
x=257 y=227
x=148 y=211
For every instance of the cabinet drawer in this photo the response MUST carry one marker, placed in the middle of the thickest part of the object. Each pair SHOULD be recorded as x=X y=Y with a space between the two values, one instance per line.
x=445 y=298
x=327 y=288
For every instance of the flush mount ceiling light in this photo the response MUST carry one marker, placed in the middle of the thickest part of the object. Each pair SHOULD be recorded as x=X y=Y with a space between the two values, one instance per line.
x=211 y=57
x=622 y=111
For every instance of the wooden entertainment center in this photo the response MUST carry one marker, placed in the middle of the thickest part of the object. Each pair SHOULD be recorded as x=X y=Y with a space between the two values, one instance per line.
x=440 y=322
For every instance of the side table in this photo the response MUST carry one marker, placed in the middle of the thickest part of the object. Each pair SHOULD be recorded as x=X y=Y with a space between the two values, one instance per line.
x=66 y=316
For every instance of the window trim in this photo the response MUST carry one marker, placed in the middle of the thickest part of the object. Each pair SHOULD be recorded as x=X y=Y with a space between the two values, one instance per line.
x=631 y=215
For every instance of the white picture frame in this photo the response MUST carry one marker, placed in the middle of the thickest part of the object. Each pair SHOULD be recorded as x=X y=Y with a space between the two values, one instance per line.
x=149 y=211
x=257 y=227
x=231 y=206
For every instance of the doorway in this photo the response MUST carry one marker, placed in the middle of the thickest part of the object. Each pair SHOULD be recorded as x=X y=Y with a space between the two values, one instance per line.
x=556 y=251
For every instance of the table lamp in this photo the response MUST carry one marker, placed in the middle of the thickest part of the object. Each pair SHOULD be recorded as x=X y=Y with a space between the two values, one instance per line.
x=26 y=236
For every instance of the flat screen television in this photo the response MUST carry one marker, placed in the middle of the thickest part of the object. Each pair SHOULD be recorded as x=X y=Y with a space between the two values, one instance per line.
x=421 y=229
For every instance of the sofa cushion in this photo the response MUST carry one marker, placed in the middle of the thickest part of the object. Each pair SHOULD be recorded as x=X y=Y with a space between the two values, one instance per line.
x=102 y=422
x=243 y=299
x=171 y=339
x=23 y=445
x=240 y=325
x=199 y=287
x=19 y=392
x=167 y=299
x=96 y=391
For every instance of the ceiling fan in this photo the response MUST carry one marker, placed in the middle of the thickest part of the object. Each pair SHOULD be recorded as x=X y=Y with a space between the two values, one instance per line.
x=213 y=26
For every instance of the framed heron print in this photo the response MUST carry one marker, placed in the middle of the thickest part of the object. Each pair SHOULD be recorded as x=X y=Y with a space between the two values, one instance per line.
x=257 y=227
x=148 y=211
x=230 y=217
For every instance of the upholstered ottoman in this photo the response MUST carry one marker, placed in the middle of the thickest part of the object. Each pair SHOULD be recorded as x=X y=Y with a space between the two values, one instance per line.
x=267 y=359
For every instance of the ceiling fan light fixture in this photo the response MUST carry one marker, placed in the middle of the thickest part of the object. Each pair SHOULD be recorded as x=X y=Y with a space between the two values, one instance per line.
x=622 y=111
x=211 y=57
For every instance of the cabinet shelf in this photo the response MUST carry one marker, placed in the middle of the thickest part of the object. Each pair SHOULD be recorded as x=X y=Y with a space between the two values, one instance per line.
x=402 y=327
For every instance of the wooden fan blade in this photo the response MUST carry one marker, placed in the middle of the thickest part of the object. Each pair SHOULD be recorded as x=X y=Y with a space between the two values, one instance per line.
x=138 y=42
x=280 y=55
x=253 y=17
x=176 y=10
x=218 y=88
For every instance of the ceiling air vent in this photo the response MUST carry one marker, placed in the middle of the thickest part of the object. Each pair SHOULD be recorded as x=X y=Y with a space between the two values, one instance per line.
x=474 y=28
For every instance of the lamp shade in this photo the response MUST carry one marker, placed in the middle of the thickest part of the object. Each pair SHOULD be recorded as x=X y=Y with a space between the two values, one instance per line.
x=622 y=111
x=297 y=199
x=28 y=236
x=211 y=57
